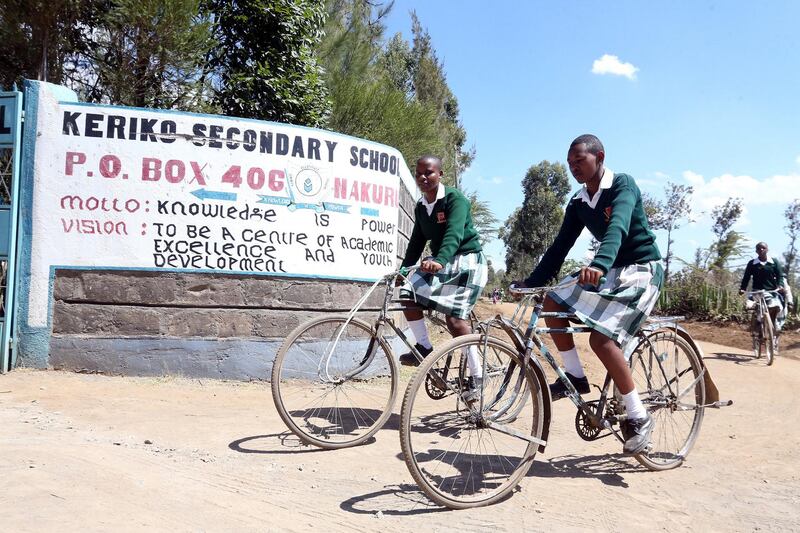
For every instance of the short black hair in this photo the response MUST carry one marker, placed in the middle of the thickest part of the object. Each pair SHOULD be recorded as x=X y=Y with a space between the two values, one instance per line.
x=432 y=158
x=593 y=144
x=762 y=244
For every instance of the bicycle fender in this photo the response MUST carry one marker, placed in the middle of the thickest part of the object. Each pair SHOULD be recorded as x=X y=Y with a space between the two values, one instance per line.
x=682 y=333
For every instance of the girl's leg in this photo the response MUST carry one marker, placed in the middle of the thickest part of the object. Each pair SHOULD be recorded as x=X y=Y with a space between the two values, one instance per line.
x=564 y=341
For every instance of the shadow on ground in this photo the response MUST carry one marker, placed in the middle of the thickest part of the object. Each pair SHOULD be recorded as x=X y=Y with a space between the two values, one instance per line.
x=276 y=443
x=738 y=358
x=407 y=499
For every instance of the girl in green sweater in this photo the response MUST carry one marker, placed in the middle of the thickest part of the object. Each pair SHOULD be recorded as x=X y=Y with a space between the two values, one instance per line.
x=452 y=278
x=610 y=206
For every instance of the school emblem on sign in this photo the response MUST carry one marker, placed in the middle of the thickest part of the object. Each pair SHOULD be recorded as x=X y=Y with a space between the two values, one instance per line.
x=308 y=182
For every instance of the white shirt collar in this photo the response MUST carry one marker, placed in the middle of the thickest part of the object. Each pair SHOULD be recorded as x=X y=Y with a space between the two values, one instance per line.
x=439 y=196
x=757 y=260
x=605 y=183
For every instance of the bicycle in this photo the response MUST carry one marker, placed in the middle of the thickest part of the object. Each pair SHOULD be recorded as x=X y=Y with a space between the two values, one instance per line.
x=334 y=379
x=762 y=329
x=466 y=454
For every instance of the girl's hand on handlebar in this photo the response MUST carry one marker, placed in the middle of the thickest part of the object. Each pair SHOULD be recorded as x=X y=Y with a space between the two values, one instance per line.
x=590 y=276
x=431 y=266
x=516 y=285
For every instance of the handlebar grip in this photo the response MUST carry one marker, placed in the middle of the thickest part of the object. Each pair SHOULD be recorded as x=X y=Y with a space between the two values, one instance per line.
x=403 y=271
x=602 y=280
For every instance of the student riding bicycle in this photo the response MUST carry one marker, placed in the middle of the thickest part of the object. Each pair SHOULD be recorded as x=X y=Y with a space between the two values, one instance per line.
x=767 y=274
x=610 y=206
x=452 y=278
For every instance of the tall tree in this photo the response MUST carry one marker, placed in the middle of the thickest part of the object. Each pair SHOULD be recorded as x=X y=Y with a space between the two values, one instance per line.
x=146 y=53
x=38 y=36
x=792 y=214
x=430 y=87
x=531 y=229
x=482 y=217
x=266 y=63
x=669 y=215
x=729 y=243
x=374 y=93
x=365 y=102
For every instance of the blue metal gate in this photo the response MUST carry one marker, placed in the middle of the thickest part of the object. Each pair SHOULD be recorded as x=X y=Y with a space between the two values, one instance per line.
x=10 y=130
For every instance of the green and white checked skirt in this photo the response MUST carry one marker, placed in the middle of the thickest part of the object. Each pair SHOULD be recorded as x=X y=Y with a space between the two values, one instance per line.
x=621 y=304
x=454 y=289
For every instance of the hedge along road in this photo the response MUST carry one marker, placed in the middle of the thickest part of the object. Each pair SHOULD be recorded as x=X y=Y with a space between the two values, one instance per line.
x=90 y=452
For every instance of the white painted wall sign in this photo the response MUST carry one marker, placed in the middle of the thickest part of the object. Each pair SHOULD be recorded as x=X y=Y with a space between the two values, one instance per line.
x=142 y=189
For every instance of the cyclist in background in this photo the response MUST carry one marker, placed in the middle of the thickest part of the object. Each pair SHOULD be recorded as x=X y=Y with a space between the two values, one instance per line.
x=610 y=206
x=767 y=274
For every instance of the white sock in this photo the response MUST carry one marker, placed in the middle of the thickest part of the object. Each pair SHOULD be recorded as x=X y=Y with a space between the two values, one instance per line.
x=420 y=332
x=572 y=363
x=473 y=361
x=633 y=405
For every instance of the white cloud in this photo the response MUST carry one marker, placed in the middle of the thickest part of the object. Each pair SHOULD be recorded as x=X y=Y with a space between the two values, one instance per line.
x=494 y=180
x=778 y=190
x=770 y=194
x=610 y=64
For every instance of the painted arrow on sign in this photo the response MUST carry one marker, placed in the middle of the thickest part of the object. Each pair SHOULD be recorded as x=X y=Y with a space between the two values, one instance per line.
x=215 y=195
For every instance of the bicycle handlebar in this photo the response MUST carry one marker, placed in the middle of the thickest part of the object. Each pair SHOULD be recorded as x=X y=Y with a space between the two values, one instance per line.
x=538 y=290
x=762 y=291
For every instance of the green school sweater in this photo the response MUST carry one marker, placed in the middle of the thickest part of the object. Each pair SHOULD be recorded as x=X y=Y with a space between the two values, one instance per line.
x=617 y=221
x=449 y=229
x=768 y=276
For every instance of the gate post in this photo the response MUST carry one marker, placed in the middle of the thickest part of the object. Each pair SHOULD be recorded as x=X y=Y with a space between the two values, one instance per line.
x=10 y=130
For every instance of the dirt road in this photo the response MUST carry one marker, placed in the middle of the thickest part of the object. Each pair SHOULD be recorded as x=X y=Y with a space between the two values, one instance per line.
x=97 y=453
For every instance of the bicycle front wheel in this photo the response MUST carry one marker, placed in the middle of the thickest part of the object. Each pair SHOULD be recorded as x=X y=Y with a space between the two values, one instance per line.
x=757 y=335
x=668 y=374
x=334 y=382
x=472 y=454
x=768 y=338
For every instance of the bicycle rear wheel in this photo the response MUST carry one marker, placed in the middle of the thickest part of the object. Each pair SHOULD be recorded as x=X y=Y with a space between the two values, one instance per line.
x=464 y=455
x=334 y=382
x=668 y=374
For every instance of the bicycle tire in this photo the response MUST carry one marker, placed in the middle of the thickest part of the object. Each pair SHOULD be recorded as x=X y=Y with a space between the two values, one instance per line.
x=768 y=338
x=668 y=374
x=455 y=462
x=314 y=396
x=756 y=335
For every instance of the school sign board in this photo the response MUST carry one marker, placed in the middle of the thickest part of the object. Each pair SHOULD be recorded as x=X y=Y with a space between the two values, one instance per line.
x=141 y=189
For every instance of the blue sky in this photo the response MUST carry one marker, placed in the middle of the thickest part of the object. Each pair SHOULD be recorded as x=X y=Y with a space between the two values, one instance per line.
x=694 y=92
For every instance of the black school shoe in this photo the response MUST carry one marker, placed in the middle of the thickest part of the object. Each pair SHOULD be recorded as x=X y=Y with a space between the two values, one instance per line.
x=637 y=434
x=558 y=390
x=409 y=359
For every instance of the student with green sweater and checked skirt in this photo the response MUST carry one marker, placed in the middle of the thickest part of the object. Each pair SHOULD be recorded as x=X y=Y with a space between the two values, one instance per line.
x=609 y=205
x=453 y=277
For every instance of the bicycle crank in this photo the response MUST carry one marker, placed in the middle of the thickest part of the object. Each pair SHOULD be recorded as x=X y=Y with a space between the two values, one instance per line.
x=586 y=429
